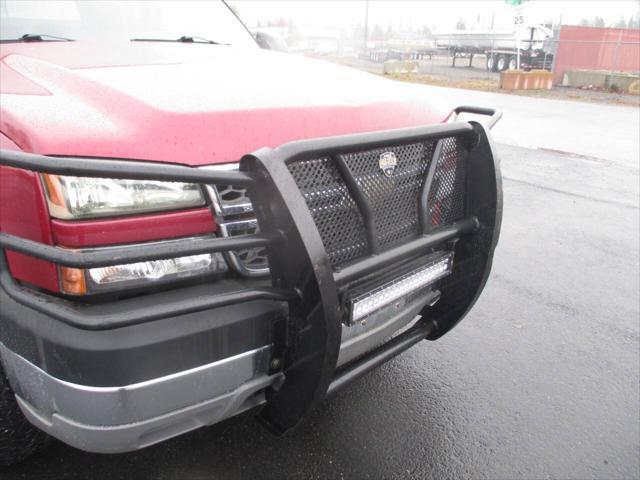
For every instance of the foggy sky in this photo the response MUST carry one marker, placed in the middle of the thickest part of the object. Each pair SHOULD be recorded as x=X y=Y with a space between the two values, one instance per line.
x=440 y=14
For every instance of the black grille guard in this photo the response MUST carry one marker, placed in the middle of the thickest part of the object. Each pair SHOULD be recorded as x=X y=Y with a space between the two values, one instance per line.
x=308 y=342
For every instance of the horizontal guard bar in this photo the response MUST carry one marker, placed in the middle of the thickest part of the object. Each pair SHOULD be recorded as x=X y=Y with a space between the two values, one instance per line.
x=392 y=348
x=113 y=168
x=91 y=318
x=133 y=253
x=495 y=115
x=370 y=140
x=374 y=262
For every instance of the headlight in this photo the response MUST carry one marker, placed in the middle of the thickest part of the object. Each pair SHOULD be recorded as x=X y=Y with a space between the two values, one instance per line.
x=75 y=281
x=85 y=197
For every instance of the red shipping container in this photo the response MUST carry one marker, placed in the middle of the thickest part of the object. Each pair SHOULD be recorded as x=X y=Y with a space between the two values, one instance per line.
x=592 y=48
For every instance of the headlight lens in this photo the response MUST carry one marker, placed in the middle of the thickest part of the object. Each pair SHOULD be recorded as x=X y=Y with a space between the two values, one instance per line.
x=85 y=197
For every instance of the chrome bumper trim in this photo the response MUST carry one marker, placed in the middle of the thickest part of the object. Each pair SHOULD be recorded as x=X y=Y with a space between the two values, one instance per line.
x=133 y=436
x=123 y=418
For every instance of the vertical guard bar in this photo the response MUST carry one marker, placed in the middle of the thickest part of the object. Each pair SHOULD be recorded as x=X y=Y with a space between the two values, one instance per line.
x=423 y=209
x=313 y=332
x=361 y=201
x=474 y=253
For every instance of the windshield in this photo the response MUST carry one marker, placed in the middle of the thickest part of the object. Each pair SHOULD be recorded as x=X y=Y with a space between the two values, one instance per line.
x=122 y=20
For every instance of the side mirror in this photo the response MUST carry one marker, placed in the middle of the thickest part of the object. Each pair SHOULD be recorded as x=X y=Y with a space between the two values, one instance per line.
x=270 y=41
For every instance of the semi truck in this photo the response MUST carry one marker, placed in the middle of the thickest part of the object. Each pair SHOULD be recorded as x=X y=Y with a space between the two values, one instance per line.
x=524 y=48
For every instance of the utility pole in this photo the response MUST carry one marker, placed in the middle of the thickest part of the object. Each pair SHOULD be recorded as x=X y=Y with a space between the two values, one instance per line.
x=366 y=26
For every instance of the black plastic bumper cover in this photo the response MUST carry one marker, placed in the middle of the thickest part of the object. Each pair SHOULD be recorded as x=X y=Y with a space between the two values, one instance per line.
x=137 y=353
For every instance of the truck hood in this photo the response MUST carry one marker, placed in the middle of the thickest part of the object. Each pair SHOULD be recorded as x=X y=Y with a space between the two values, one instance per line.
x=188 y=103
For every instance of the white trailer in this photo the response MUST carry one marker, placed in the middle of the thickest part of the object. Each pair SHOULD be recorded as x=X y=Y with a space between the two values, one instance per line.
x=505 y=50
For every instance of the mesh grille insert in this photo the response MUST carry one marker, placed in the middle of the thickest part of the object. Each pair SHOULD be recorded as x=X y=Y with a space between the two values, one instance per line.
x=446 y=197
x=394 y=199
x=333 y=209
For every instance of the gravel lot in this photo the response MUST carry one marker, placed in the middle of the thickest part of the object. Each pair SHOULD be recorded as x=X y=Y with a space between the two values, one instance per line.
x=438 y=65
x=541 y=380
x=438 y=71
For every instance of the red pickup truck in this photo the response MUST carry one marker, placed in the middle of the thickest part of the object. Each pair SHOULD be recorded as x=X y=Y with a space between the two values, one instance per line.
x=192 y=226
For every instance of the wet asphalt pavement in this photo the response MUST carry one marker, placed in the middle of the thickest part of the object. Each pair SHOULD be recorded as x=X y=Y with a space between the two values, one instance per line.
x=541 y=380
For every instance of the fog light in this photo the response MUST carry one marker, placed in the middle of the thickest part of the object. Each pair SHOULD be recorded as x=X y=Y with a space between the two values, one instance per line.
x=157 y=269
x=367 y=303
x=94 y=280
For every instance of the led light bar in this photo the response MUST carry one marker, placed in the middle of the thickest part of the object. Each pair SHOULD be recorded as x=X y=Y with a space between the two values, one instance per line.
x=367 y=303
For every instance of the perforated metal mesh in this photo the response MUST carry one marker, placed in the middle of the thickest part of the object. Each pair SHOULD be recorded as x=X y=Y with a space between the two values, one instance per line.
x=446 y=197
x=333 y=209
x=394 y=198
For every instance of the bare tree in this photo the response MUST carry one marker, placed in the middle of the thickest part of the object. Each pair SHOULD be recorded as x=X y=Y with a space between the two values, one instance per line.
x=621 y=23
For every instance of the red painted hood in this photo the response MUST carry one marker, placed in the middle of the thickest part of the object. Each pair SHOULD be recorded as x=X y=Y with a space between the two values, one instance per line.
x=188 y=103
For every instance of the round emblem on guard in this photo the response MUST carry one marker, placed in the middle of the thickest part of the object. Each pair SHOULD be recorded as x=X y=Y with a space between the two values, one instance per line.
x=387 y=163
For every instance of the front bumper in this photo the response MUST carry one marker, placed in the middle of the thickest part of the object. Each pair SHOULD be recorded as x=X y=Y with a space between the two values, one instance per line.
x=116 y=390
x=204 y=353
x=120 y=390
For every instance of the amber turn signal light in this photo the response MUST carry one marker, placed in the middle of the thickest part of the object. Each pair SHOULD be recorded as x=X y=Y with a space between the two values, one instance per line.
x=54 y=189
x=72 y=281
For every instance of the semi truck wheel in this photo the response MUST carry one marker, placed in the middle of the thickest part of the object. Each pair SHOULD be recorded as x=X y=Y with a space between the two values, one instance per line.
x=513 y=63
x=491 y=63
x=18 y=438
x=502 y=63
